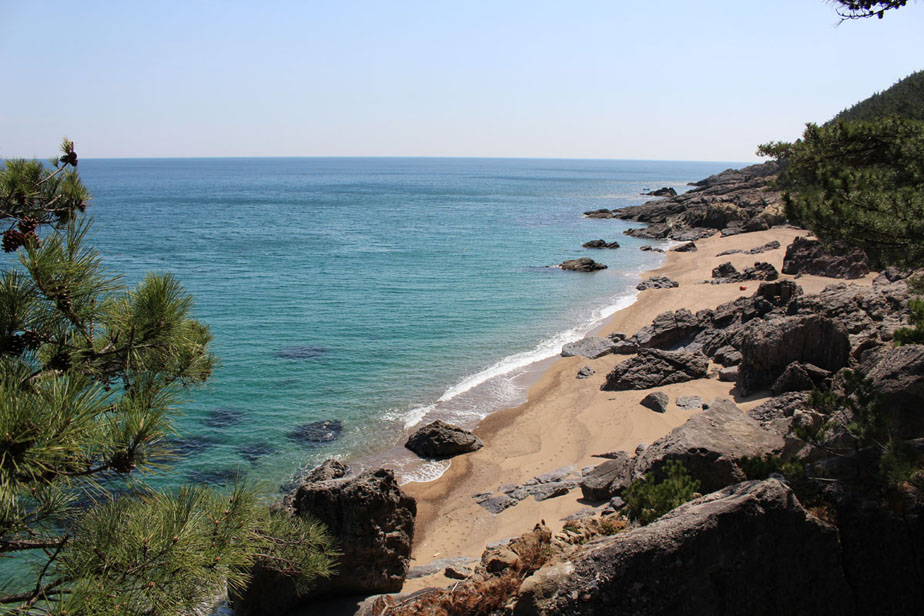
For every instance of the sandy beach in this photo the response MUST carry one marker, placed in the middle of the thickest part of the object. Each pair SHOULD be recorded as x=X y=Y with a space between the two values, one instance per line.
x=567 y=420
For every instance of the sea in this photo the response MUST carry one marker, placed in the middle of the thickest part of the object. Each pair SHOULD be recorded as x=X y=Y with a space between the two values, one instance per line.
x=354 y=299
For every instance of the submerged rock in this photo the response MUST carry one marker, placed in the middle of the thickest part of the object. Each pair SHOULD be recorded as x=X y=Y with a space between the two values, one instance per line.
x=303 y=351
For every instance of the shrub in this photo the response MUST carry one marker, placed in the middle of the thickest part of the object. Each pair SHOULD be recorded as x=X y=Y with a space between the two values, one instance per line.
x=648 y=499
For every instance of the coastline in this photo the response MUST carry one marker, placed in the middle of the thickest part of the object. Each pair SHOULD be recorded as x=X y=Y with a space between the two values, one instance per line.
x=565 y=421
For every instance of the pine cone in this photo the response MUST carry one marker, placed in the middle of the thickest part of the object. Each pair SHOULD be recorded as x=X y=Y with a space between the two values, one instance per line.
x=61 y=361
x=31 y=339
x=28 y=225
x=12 y=240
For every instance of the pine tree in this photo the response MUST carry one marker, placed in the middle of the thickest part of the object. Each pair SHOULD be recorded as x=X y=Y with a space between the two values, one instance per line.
x=91 y=374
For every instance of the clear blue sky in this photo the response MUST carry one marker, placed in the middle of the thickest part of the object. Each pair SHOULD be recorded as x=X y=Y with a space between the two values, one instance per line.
x=666 y=79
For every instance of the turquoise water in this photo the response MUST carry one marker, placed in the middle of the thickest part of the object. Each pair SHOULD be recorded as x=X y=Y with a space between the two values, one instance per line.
x=373 y=292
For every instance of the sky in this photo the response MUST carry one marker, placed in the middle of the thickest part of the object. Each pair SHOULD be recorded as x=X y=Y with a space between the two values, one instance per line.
x=659 y=80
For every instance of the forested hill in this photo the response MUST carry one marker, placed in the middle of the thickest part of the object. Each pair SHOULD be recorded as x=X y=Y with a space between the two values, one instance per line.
x=905 y=98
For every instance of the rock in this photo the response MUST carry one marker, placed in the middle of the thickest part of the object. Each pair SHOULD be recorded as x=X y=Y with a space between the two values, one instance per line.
x=657 y=401
x=625 y=347
x=458 y=573
x=608 y=479
x=496 y=504
x=668 y=330
x=727 y=356
x=749 y=549
x=898 y=376
x=757 y=223
x=439 y=565
x=688 y=247
x=657 y=231
x=726 y=273
x=585 y=372
x=559 y=474
x=753 y=251
x=545 y=491
x=866 y=312
x=371 y=519
x=768 y=347
x=581 y=265
x=602 y=213
x=656 y=368
x=302 y=351
x=661 y=192
x=317 y=432
x=799 y=377
x=649 y=248
x=600 y=244
x=329 y=469
x=442 y=440
x=805 y=256
x=892 y=274
x=591 y=347
x=692 y=234
x=657 y=282
x=689 y=403
x=709 y=445
x=728 y=374
x=779 y=293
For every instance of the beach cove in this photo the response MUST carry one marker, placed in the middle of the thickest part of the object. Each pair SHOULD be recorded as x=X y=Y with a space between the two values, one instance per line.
x=567 y=421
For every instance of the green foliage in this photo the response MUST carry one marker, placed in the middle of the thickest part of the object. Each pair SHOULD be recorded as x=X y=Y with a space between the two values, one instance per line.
x=859 y=184
x=915 y=333
x=904 y=99
x=91 y=374
x=648 y=499
x=757 y=467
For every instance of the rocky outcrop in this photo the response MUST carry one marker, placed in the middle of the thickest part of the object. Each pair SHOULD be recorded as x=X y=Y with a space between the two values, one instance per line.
x=688 y=247
x=799 y=376
x=709 y=445
x=805 y=256
x=600 y=244
x=748 y=549
x=372 y=521
x=768 y=347
x=897 y=374
x=442 y=440
x=752 y=251
x=866 y=312
x=656 y=368
x=591 y=347
x=583 y=264
x=668 y=330
x=657 y=282
x=652 y=232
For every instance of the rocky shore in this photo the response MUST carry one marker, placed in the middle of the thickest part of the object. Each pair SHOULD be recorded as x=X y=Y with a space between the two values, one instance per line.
x=711 y=367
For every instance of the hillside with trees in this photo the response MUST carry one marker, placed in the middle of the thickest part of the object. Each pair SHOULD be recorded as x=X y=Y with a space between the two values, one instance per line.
x=904 y=99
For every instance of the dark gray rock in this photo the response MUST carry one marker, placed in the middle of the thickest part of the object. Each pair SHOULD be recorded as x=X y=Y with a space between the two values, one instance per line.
x=496 y=504
x=892 y=274
x=657 y=282
x=329 y=469
x=545 y=491
x=898 y=376
x=371 y=519
x=692 y=234
x=709 y=445
x=583 y=264
x=657 y=231
x=726 y=273
x=608 y=479
x=600 y=244
x=625 y=347
x=668 y=330
x=317 y=432
x=661 y=192
x=728 y=374
x=805 y=256
x=591 y=347
x=649 y=248
x=442 y=440
x=799 y=377
x=866 y=312
x=601 y=213
x=779 y=407
x=656 y=368
x=657 y=401
x=768 y=347
x=585 y=372
x=688 y=247
x=748 y=549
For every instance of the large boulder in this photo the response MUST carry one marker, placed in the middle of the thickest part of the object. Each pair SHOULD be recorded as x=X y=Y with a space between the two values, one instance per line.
x=584 y=264
x=372 y=521
x=768 y=347
x=805 y=256
x=656 y=368
x=668 y=330
x=442 y=440
x=608 y=479
x=600 y=244
x=709 y=445
x=748 y=549
x=591 y=347
x=657 y=282
x=897 y=374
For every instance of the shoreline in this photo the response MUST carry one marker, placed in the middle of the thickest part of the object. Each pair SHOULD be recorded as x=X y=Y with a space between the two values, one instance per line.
x=565 y=421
